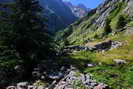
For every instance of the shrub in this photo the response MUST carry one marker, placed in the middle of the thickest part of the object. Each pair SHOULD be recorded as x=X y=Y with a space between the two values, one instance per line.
x=122 y=21
x=107 y=28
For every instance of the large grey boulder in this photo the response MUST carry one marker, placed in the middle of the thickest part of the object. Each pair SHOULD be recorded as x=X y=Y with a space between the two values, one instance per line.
x=116 y=44
x=36 y=74
x=22 y=85
x=129 y=31
x=119 y=61
x=90 y=65
x=55 y=76
x=75 y=77
x=32 y=87
x=11 y=87
x=40 y=87
x=129 y=8
x=101 y=86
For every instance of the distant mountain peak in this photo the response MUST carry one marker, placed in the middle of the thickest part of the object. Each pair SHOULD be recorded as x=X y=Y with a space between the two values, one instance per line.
x=82 y=6
x=79 y=10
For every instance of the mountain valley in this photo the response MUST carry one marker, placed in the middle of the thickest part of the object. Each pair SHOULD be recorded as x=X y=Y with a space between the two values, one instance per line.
x=92 y=48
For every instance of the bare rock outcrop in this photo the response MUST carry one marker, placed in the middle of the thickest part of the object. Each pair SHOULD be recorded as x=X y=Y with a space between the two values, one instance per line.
x=129 y=8
x=129 y=31
x=74 y=80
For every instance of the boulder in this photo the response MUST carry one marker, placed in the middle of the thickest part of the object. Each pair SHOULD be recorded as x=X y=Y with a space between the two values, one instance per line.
x=107 y=45
x=11 y=87
x=40 y=87
x=116 y=44
x=18 y=68
x=101 y=86
x=61 y=85
x=36 y=74
x=90 y=65
x=104 y=45
x=119 y=61
x=22 y=85
x=32 y=87
x=55 y=76
x=129 y=9
x=129 y=31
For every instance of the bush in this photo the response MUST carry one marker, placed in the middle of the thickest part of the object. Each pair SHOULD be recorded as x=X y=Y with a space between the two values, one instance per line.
x=122 y=21
x=107 y=28
x=130 y=24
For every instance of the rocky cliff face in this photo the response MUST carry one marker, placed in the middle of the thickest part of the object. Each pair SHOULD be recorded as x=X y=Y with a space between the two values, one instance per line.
x=129 y=8
x=93 y=24
x=78 y=10
x=107 y=7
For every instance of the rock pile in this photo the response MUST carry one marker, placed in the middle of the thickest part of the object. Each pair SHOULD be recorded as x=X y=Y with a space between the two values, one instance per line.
x=76 y=80
x=72 y=79
x=102 y=46
x=24 y=85
x=119 y=61
x=116 y=44
x=42 y=73
x=107 y=45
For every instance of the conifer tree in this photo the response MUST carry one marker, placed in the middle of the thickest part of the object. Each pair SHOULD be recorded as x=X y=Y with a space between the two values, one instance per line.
x=26 y=33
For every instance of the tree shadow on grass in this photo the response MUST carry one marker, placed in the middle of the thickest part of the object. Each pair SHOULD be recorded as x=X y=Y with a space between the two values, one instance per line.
x=79 y=63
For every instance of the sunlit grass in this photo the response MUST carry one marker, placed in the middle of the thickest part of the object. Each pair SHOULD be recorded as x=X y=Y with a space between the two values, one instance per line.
x=130 y=24
x=124 y=52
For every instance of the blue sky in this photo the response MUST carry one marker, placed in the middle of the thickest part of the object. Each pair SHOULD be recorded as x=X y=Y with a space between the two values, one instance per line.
x=88 y=3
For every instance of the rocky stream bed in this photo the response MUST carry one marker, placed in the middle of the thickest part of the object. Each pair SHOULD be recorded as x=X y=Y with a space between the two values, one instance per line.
x=69 y=77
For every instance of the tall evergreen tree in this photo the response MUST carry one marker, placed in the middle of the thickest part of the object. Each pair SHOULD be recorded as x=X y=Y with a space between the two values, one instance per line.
x=27 y=34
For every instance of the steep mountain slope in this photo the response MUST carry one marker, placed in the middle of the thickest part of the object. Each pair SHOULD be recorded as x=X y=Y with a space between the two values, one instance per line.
x=78 y=10
x=103 y=19
x=59 y=15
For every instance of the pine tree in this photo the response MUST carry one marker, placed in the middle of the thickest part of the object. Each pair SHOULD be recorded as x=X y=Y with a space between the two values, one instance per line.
x=26 y=33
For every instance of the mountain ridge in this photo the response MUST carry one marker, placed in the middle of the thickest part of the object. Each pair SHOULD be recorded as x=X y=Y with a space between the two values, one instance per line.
x=93 y=25
x=79 y=10
x=58 y=14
